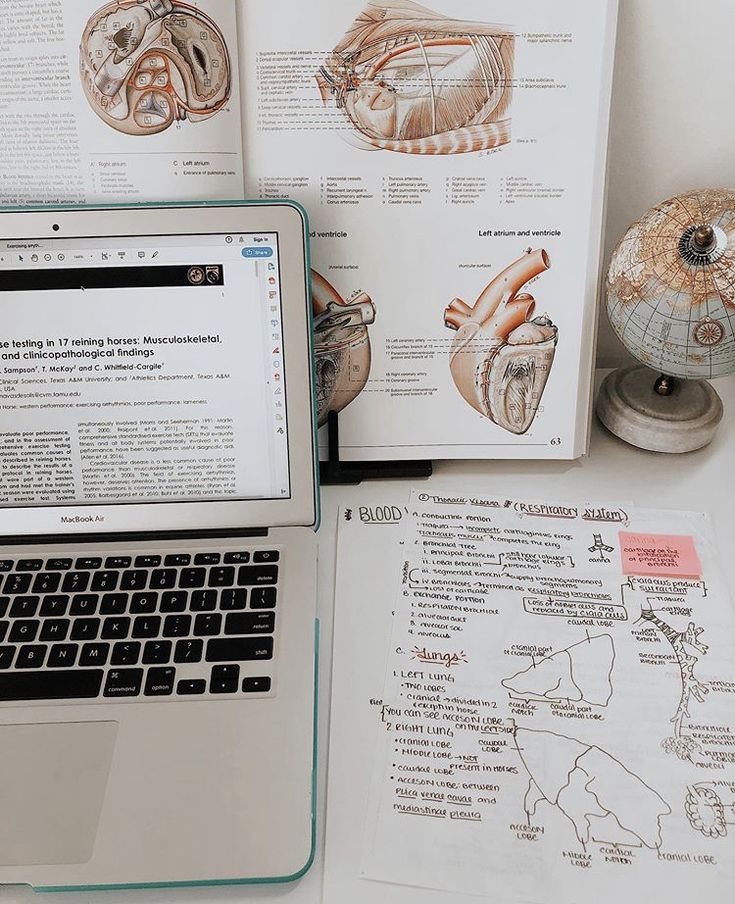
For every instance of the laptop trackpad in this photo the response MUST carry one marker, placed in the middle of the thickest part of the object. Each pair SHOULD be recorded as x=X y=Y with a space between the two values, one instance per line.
x=52 y=782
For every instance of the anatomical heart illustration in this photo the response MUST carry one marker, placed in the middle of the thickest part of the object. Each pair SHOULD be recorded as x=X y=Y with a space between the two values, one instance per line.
x=341 y=346
x=146 y=64
x=418 y=82
x=501 y=358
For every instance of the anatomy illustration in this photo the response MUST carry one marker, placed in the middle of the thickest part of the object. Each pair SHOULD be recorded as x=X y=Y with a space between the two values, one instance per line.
x=341 y=345
x=501 y=358
x=418 y=82
x=604 y=801
x=145 y=64
x=710 y=807
x=688 y=650
x=582 y=673
x=599 y=546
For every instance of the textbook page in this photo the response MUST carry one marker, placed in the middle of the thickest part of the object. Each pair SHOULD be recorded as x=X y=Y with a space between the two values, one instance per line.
x=451 y=158
x=119 y=102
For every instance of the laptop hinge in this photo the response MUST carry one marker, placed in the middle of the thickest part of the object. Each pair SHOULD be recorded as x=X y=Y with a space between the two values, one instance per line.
x=135 y=536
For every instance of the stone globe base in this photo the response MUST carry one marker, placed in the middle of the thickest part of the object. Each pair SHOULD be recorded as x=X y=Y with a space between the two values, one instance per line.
x=687 y=419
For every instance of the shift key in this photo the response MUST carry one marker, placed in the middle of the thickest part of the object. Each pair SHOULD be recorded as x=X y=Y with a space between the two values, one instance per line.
x=239 y=649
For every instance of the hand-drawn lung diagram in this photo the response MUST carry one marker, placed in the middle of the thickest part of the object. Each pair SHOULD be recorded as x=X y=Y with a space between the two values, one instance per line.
x=710 y=807
x=418 y=82
x=341 y=345
x=146 y=64
x=501 y=358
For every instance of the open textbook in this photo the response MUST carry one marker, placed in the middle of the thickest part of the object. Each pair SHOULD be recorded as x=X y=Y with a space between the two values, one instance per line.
x=451 y=160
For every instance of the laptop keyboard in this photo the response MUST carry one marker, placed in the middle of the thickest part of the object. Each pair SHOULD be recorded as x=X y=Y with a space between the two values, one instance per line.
x=179 y=625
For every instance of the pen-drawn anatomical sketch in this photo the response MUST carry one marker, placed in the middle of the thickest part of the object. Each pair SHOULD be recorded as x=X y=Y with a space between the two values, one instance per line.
x=341 y=345
x=710 y=807
x=582 y=673
x=686 y=645
x=418 y=82
x=501 y=358
x=148 y=63
x=604 y=801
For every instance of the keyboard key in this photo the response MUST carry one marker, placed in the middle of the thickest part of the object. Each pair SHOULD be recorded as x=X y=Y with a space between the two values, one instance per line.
x=114 y=604
x=4 y=625
x=46 y=582
x=191 y=686
x=51 y=685
x=29 y=565
x=163 y=578
x=31 y=656
x=88 y=563
x=263 y=598
x=206 y=624
x=177 y=625
x=23 y=631
x=236 y=558
x=4 y=602
x=256 y=685
x=75 y=581
x=115 y=628
x=147 y=561
x=146 y=626
x=123 y=682
x=17 y=583
x=257 y=574
x=54 y=629
x=266 y=555
x=118 y=562
x=159 y=682
x=24 y=607
x=157 y=652
x=203 y=600
x=105 y=580
x=207 y=558
x=6 y=656
x=188 y=650
x=58 y=564
x=225 y=679
x=233 y=599
x=6 y=564
x=250 y=623
x=189 y=577
x=84 y=604
x=223 y=576
x=62 y=655
x=181 y=558
x=54 y=606
x=133 y=580
x=125 y=653
x=143 y=603
x=85 y=629
x=174 y=601
x=94 y=654
x=239 y=649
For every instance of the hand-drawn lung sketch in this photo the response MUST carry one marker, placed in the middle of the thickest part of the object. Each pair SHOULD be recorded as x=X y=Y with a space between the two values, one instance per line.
x=605 y=802
x=418 y=82
x=501 y=358
x=145 y=64
x=341 y=345
x=581 y=673
x=710 y=807
x=684 y=644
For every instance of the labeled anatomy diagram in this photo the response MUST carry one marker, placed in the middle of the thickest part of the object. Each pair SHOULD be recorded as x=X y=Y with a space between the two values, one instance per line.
x=710 y=807
x=605 y=802
x=582 y=673
x=147 y=64
x=341 y=345
x=501 y=358
x=417 y=82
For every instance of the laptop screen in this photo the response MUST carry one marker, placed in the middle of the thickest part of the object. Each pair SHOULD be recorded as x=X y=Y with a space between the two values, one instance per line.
x=142 y=370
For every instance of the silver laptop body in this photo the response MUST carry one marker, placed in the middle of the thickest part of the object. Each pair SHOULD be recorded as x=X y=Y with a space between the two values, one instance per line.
x=158 y=558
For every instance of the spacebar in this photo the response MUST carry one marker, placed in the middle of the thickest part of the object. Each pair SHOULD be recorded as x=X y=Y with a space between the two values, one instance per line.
x=61 y=685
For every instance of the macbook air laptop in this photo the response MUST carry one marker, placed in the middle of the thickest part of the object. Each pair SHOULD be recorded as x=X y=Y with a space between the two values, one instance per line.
x=157 y=568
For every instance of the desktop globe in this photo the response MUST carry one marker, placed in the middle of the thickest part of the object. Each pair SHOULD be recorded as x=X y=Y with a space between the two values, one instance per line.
x=671 y=301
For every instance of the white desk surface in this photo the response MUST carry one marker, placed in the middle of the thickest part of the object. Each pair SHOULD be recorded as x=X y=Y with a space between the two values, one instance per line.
x=700 y=481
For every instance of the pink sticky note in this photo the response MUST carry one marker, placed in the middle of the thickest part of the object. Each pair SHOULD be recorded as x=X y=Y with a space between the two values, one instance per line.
x=659 y=555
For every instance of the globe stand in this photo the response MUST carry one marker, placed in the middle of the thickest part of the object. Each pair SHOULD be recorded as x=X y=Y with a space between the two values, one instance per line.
x=659 y=413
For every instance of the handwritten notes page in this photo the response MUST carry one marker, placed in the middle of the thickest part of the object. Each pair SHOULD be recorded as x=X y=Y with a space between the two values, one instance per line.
x=554 y=726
